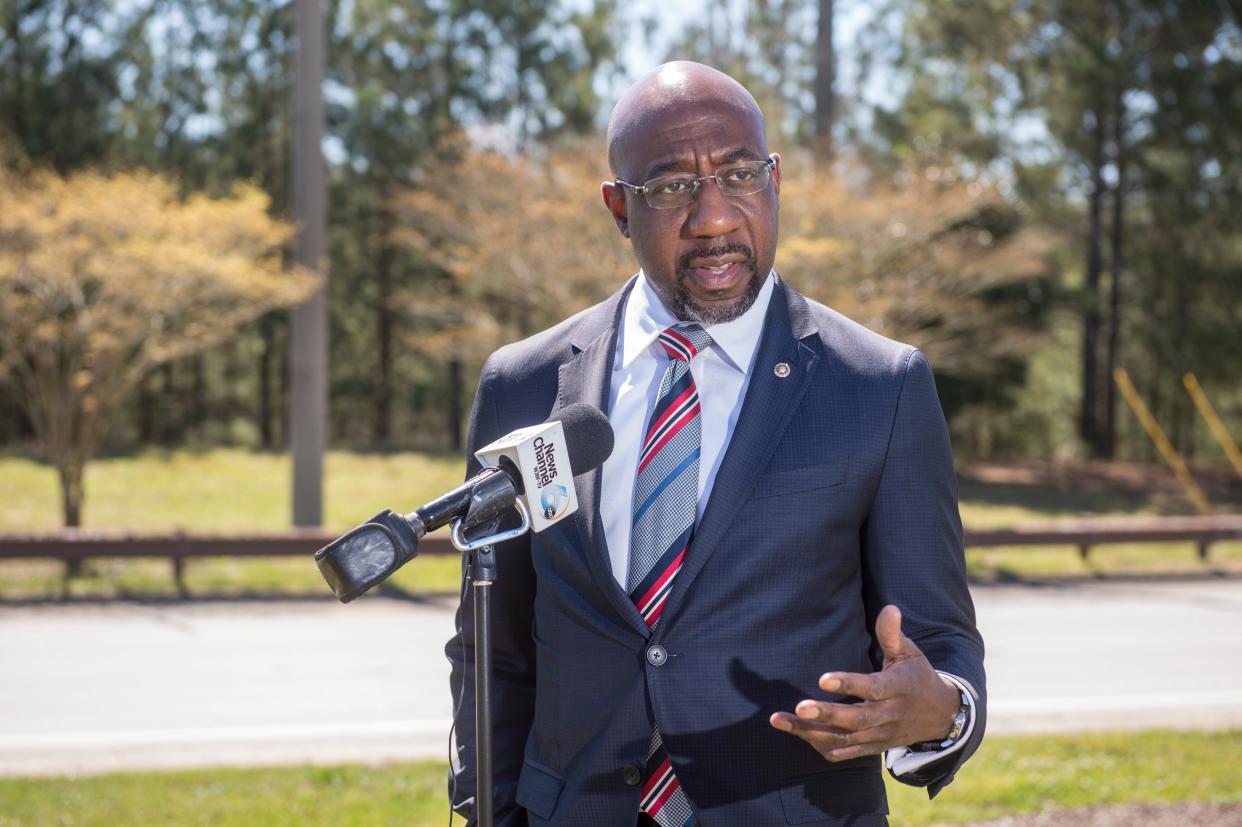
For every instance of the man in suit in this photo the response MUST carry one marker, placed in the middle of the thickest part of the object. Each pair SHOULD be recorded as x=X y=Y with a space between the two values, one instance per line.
x=763 y=590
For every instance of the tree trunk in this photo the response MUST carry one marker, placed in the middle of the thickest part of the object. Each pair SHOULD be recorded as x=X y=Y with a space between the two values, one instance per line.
x=382 y=422
x=1155 y=403
x=1114 y=299
x=267 y=329
x=168 y=432
x=286 y=390
x=1090 y=417
x=1181 y=431
x=72 y=492
x=825 y=76
x=198 y=394
x=454 y=404
x=148 y=407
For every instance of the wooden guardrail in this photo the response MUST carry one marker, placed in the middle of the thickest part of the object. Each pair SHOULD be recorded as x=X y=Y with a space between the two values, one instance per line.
x=73 y=545
x=1089 y=532
x=77 y=545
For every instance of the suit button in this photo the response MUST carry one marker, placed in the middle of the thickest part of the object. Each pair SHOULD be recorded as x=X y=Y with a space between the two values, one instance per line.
x=656 y=656
x=631 y=775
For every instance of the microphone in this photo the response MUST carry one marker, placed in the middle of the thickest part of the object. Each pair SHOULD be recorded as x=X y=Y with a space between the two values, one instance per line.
x=537 y=463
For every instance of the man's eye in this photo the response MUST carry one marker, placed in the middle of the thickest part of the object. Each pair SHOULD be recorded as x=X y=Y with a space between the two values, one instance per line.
x=739 y=175
x=675 y=187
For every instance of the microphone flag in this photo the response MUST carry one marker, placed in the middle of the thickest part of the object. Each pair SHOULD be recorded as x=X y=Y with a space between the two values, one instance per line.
x=542 y=458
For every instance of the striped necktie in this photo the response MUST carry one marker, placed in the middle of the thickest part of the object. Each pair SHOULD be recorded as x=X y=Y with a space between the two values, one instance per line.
x=666 y=495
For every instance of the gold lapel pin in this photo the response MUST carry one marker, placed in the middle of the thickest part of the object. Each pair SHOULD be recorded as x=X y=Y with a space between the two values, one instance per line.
x=781 y=370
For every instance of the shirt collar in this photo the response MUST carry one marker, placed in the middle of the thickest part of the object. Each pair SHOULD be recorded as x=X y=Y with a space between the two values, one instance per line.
x=646 y=317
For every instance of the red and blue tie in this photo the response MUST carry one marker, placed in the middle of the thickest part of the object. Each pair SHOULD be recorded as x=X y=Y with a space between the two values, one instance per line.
x=666 y=496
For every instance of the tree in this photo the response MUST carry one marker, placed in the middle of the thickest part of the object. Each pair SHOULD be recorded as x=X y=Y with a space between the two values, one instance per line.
x=58 y=78
x=515 y=265
x=418 y=73
x=200 y=90
x=1116 y=124
x=104 y=278
x=924 y=255
x=775 y=49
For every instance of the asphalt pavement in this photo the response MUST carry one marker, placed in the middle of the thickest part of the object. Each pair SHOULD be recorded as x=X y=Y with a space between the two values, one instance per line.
x=96 y=687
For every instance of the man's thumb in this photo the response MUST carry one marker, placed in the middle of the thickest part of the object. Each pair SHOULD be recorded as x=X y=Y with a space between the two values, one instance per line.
x=888 y=632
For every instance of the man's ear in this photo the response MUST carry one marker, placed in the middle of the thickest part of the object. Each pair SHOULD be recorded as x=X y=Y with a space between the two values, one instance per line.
x=776 y=174
x=614 y=199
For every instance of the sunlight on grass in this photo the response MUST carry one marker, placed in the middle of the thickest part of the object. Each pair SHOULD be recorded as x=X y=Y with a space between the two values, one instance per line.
x=1006 y=777
x=396 y=795
x=1116 y=559
x=220 y=490
x=229 y=490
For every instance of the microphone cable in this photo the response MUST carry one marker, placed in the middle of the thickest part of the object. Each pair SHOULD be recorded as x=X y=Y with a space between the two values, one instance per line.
x=461 y=693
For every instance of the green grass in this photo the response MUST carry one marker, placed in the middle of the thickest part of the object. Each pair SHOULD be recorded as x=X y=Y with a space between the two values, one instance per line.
x=348 y=796
x=1137 y=559
x=1006 y=777
x=219 y=490
x=234 y=490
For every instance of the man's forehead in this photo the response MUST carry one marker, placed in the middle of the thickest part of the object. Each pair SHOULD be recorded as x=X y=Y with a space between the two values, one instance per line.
x=671 y=104
x=679 y=136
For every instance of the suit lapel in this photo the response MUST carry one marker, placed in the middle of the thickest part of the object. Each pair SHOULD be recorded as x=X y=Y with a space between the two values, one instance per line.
x=587 y=377
x=788 y=336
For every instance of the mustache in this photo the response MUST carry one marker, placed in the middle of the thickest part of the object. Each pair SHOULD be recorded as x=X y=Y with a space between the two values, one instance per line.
x=683 y=263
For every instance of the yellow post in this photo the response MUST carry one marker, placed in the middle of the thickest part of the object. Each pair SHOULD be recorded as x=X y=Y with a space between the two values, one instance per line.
x=1162 y=442
x=1214 y=422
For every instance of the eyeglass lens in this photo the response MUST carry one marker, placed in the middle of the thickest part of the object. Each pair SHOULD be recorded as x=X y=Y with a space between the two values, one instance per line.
x=677 y=190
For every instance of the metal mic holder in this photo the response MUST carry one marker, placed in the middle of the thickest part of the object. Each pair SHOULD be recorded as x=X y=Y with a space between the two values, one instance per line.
x=481 y=560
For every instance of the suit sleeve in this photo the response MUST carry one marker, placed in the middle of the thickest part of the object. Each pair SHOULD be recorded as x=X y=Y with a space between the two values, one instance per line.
x=513 y=657
x=913 y=556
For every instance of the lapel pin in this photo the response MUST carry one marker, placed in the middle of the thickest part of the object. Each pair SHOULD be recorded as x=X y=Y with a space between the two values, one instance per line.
x=781 y=370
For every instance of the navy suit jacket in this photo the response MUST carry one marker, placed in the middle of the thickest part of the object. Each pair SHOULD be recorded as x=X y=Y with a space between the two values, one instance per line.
x=836 y=496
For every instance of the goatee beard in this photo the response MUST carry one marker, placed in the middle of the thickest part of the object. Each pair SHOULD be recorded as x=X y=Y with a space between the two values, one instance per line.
x=686 y=308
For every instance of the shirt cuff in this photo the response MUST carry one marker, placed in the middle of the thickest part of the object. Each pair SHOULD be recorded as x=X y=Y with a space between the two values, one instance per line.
x=901 y=760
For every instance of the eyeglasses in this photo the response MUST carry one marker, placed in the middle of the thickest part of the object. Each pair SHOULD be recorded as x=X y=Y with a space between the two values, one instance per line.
x=669 y=191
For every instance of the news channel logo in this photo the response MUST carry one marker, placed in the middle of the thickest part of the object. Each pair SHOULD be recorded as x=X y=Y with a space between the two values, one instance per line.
x=554 y=499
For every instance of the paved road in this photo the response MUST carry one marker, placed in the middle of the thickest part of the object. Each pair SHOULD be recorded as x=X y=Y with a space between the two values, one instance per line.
x=97 y=687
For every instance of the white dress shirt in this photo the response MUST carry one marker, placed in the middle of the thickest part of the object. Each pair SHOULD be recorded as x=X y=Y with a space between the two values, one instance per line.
x=722 y=374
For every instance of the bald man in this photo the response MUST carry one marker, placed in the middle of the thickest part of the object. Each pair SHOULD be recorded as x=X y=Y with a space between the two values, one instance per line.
x=763 y=591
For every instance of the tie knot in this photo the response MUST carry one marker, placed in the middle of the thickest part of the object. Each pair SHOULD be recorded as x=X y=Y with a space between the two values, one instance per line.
x=684 y=341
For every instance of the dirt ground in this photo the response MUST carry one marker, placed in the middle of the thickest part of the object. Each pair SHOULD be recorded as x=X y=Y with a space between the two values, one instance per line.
x=1192 y=814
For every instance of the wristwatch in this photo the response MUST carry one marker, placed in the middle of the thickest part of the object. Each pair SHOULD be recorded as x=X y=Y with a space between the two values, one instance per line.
x=955 y=731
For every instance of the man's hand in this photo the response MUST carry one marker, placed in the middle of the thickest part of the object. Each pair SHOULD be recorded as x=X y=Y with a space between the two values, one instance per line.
x=902 y=704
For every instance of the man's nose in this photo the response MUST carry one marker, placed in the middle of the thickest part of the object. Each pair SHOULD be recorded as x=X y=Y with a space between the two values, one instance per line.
x=712 y=213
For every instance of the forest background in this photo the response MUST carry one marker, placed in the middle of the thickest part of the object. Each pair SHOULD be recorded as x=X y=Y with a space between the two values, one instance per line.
x=1035 y=193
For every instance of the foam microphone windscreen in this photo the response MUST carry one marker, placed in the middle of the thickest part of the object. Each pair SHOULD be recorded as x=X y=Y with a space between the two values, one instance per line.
x=588 y=435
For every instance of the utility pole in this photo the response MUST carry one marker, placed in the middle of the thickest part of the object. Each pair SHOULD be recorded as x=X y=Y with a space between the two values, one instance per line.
x=308 y=329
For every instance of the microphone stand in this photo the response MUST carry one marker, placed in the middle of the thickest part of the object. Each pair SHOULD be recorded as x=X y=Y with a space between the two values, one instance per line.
x=481 y=564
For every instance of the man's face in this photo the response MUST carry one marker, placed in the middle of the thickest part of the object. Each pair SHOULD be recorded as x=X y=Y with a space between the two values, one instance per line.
x=706 y=260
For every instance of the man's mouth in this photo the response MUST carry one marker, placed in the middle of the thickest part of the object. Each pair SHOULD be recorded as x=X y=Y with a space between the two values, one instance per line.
x=716 y=275
x=717 y=269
